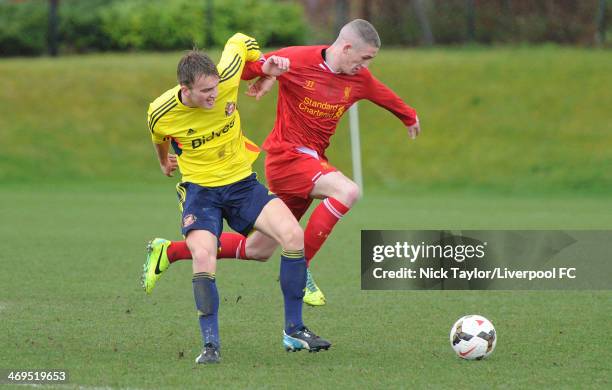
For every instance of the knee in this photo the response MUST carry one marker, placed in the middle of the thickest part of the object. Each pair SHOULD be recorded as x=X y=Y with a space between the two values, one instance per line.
x=200 y=253
x=349 y=194
x=293 y=237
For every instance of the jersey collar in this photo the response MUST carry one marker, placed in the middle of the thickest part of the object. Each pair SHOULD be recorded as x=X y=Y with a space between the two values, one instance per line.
x=324 y=65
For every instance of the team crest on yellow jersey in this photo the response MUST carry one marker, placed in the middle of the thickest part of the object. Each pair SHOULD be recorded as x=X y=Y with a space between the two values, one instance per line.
x=230 y=107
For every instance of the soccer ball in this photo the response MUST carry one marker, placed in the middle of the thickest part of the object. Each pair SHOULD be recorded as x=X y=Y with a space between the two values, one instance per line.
x=473 y=337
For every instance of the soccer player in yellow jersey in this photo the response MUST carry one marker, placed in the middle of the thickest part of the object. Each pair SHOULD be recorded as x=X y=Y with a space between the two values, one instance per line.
x=199 y=117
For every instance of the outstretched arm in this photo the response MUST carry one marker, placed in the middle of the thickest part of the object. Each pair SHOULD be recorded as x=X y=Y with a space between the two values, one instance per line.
x=383 y=96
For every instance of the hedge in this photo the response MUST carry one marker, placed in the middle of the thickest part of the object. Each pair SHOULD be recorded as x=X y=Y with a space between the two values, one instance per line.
x=100 y=25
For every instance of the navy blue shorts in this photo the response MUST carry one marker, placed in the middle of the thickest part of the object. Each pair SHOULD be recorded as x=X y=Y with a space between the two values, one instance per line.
x=240 y=203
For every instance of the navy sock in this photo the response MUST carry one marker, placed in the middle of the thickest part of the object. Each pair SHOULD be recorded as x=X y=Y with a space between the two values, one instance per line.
x=207 y=304
x=293 y=281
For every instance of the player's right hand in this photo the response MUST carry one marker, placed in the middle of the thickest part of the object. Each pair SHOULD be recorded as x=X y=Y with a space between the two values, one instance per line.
x=275 y=66
x=169 y=166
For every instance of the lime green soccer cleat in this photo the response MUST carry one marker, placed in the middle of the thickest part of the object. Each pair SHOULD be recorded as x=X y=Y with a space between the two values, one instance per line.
x=157 y=262
x=313 y=296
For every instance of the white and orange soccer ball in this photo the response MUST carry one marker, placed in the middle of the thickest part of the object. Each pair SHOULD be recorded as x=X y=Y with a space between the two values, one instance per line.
x=473 y=337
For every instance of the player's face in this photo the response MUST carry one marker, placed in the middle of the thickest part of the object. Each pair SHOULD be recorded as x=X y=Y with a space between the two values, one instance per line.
x=204 y=91
x=357 y=57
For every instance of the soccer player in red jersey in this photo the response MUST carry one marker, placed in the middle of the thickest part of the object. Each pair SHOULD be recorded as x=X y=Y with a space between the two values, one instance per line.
x=321 y=84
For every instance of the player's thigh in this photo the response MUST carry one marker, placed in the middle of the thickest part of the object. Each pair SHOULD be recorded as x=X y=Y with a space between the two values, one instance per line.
x=277 y=222
x=243 y=202
x=249 y=204
x=260 y=246
x=336 y=185
x=201 y=208
x=202 y=223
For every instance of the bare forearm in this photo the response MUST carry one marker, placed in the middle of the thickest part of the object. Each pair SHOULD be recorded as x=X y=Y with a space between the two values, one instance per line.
x=162 y=152
x=167 y=162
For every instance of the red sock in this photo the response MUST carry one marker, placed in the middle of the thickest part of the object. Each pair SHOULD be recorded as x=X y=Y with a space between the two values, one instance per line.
x=233 y=246
x=321 y=222
x=178 y=250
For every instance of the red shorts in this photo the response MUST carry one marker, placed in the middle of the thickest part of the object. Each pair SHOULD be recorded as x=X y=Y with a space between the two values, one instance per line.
x=292 y=174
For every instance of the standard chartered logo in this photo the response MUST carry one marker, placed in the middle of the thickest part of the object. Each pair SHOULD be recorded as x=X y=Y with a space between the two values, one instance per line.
x=321 y=109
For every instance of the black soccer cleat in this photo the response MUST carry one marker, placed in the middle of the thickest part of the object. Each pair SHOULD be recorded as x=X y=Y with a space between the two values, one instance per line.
x=209 y=355
x=304 y=339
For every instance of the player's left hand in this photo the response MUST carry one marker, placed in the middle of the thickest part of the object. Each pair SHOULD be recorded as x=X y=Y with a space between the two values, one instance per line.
x=414 y=130
x=275 y=66
x=261 y=87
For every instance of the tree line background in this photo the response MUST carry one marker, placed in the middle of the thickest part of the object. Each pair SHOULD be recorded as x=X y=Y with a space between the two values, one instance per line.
x=427 y=22
x=34 y=27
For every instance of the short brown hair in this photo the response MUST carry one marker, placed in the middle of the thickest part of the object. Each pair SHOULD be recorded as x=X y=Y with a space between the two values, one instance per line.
x=193 y=65
x=365 y=31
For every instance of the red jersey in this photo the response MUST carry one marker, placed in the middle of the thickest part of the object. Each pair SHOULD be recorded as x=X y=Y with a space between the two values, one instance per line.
x=312 y=99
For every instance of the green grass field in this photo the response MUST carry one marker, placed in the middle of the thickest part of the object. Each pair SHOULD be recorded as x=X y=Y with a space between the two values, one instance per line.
x=514 y=138
x=71 y=299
